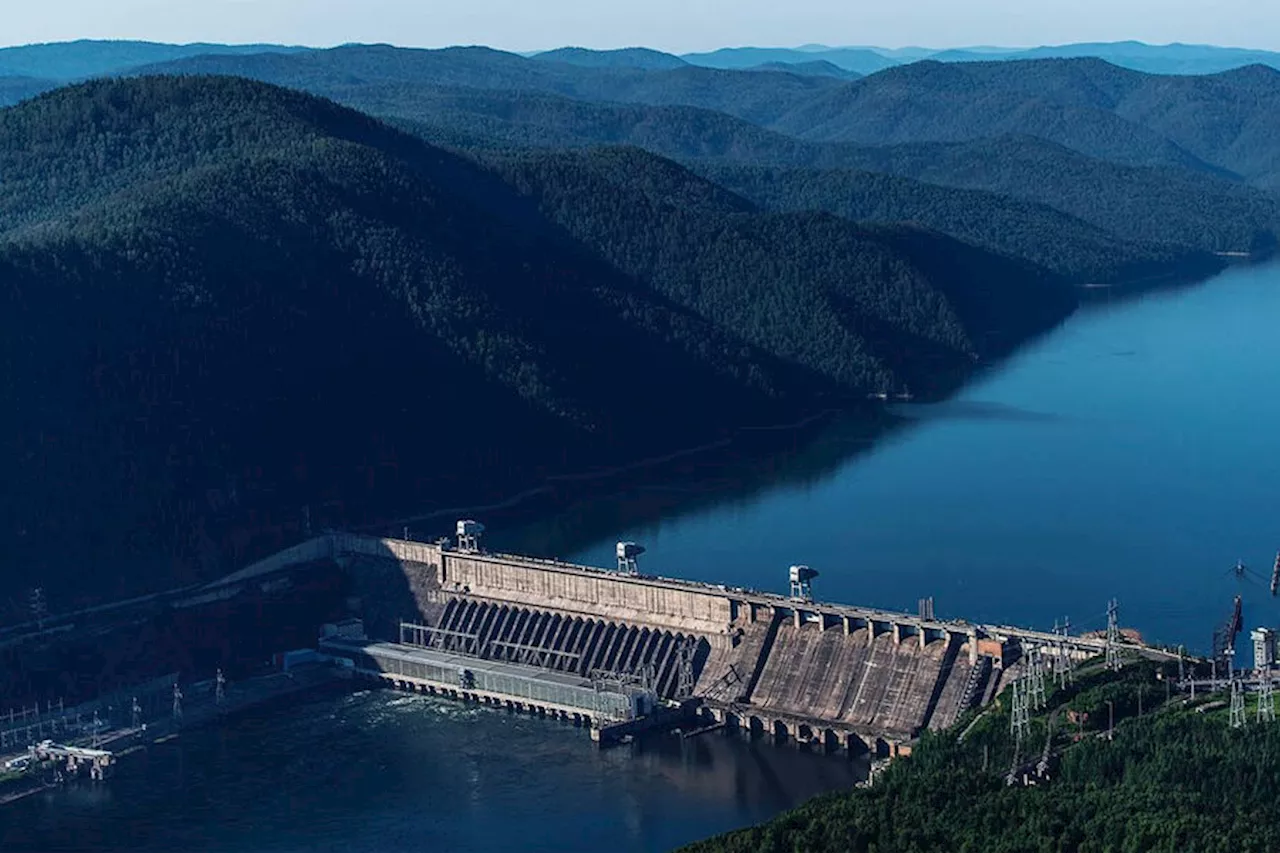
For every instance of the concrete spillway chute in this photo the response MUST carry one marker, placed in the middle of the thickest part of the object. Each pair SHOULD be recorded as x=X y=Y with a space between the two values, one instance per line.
x=628 y=553
x=469 y=533
x=802 y=582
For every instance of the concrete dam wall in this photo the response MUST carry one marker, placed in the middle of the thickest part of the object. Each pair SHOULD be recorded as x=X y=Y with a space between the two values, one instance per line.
x=786 y=665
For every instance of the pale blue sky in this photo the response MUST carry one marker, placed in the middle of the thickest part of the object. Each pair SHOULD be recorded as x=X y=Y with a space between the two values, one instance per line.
x=676 y=25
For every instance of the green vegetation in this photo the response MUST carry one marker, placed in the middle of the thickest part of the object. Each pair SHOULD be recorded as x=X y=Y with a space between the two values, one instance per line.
x=448 y=100
x=863 y=307
x=1173 y=779
x=1221 y=124
x=1088 y=105
x=223 y=301
x=1156 y=205
x=180 y=255
x=1068 y=246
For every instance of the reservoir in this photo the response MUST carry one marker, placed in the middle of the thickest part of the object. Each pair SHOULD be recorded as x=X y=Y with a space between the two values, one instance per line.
x=1134 y=453
x=1130 y=454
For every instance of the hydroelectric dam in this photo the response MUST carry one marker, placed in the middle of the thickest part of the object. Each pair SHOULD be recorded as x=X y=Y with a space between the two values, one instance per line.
x=612 y=648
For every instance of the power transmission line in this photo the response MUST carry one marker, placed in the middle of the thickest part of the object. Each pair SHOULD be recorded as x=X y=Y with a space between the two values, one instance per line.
x=1237 y=703
x=1113 y=635
x=1035 y=680
x=1020 y=718
x=1266 y=699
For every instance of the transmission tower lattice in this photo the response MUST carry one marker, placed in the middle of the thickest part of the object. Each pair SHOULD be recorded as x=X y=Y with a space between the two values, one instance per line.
x=1113 y=635
x=137 y=713
x=1020 y=718
x=1035 y=679
x=177 y=702
x=1237 y=703
x=1062 y=670
x=1266 y=699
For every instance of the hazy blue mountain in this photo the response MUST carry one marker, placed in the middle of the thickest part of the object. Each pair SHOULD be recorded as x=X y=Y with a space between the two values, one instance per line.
x=820 y=68
x=1223 y=123
x=15 y=89
x=345 y=73
x=861 y=60
x=899 y=54
x=79 y=59
x=630 y=57
x=1153 y=59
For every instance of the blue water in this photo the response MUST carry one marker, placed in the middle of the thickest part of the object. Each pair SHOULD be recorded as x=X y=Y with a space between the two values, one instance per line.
x=378 y=772
x=1134 y=453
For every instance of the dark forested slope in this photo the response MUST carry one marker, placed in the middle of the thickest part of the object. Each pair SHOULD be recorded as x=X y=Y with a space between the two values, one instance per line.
x=1174 y=778
x=211 y=287
x=222 y=301
x=1144 y=204
x=1080 y=252
x=864 y=307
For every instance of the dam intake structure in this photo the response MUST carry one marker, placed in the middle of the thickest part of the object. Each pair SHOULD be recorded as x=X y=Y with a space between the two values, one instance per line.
x=839 y=675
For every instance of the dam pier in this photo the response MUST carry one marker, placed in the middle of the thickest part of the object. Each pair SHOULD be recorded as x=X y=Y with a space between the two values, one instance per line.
x=620 y=651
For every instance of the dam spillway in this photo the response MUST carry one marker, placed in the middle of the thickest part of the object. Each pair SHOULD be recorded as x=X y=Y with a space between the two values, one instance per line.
x=778 y=664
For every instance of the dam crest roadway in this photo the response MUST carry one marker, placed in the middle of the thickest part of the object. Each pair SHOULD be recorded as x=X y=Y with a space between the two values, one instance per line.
x=784 y=665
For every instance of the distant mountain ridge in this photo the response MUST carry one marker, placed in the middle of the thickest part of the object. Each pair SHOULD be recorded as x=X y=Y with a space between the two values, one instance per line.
x=86 y=58
x=627 y=57
x=77 y=60
x=859 y=60
x=758 y=96
x=1199 y=207
x=1220 y=124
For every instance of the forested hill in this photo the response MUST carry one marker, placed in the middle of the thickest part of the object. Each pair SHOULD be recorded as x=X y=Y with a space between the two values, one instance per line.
x=1224 y=123
x=221 y=301
x=1220 y=124
x=860 y=306
x=1172 y=777
x=1036 y=232
x=478 y=99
